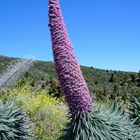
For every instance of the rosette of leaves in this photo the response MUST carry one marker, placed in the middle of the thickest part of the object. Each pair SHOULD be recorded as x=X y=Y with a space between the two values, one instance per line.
x=135 y=112
x=107 y=123
x=14 y=123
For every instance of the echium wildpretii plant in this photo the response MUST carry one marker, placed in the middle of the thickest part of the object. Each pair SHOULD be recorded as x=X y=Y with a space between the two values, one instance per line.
x=84 y=122
x=135 y=111
x=14 y=123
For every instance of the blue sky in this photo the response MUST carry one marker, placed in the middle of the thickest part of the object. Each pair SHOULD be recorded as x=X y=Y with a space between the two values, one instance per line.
x=104 y=33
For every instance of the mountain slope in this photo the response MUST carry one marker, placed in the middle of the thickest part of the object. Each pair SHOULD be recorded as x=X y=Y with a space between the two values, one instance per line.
x=103 y=83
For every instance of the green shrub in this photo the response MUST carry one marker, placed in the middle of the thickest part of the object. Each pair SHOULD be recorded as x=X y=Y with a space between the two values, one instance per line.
x=14 y=123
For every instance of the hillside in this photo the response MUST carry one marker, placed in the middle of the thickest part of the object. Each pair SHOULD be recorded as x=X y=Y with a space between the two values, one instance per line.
x=102 y=83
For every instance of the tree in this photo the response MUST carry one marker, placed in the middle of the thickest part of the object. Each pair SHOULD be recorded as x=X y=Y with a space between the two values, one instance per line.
x=139 y=76
x=96 y=82
x=133 y=78
x=112 y=78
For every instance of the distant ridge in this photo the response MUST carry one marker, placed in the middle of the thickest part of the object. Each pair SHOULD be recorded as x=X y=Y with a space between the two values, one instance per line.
x=99 y=81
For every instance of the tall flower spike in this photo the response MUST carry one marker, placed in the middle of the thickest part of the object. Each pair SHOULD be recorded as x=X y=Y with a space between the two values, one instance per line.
x=68 y=70
x=106 y=124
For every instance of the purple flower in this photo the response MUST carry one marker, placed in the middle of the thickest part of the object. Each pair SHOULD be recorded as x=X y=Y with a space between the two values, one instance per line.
x=68 y=70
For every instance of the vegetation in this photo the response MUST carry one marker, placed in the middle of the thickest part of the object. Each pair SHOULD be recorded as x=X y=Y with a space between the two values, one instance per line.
x=14 y=123
x=135 y=112
x=38 y=93
x=43 y=73
x=110 y=123
x=84 y=122
x=47 y=114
